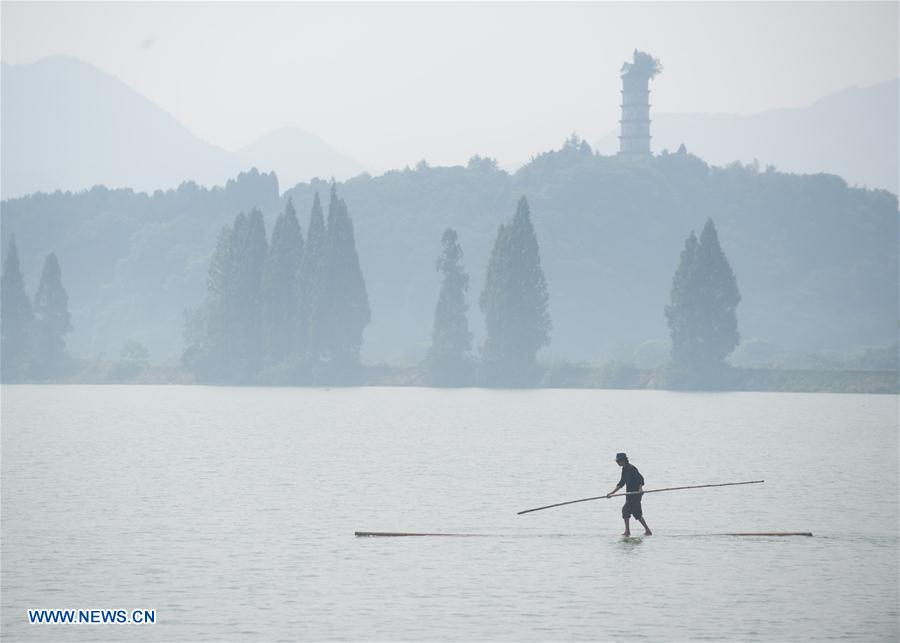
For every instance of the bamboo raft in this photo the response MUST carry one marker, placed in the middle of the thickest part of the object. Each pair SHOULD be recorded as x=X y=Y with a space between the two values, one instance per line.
x=400 y=534
x=397 y=534
x=403 y=534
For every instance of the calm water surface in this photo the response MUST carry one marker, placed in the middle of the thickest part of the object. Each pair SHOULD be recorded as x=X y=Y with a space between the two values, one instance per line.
x=231 y=512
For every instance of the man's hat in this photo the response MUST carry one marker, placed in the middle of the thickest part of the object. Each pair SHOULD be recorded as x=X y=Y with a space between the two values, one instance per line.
x=621 y=457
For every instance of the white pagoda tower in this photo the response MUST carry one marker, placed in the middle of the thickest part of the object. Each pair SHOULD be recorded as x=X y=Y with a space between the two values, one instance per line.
x=634 y=137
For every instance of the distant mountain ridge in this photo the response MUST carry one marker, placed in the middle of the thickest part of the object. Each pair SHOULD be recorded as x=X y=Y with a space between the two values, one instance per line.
x=853 y=133
x=67 y=125
x=296 y=156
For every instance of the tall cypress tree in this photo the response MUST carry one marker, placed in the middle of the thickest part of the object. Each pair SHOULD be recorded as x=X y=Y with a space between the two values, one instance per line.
x=341 y=304
x=210 y=355
x=52 y=321
x=515 y=303
x=682 y=311
x=448 y=359
x=719 y=297
x=249 y=242
x=16 y=317
x=280 y=288
x=306 y=283
x=702 y=314
x=492 y=300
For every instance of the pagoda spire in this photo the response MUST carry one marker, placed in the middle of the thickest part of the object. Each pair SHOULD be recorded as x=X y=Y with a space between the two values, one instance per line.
x=634 y=137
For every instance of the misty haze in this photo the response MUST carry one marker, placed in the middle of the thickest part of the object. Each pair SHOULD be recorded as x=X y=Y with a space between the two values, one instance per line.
x=282 y=272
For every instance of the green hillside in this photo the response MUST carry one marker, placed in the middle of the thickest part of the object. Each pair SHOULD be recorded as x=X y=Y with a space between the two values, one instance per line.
x=816 y=261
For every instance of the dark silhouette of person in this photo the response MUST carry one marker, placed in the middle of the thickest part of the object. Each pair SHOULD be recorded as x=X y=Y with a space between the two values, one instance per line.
x=632 y=480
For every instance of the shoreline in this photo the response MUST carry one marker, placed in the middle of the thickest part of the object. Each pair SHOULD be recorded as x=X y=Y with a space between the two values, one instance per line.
x=577 y=377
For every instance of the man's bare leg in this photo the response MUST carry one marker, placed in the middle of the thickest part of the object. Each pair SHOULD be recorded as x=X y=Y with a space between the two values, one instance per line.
x=627 y=528
x=647 y=531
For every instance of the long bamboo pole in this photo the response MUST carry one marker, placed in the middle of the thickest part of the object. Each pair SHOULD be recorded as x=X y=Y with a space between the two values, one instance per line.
x=632 y=493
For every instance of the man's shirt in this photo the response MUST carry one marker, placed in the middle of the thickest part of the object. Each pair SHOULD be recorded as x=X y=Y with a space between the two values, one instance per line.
x=631 y=478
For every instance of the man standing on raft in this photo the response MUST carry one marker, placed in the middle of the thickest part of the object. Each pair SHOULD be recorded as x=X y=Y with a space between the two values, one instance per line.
x=632 y=480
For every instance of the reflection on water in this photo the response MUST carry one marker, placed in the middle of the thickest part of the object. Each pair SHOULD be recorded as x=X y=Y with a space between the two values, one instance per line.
x=631 y=543
x=232 y=511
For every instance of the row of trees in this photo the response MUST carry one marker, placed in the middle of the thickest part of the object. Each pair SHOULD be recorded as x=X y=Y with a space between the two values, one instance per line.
x=288 y=309
x=514 y=302
x=295 y=309
x=32 y=346
x=701 y=315
x=282 y=309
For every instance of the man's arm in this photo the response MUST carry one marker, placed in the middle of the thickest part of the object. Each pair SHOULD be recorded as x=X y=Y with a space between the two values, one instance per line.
x=618 y=486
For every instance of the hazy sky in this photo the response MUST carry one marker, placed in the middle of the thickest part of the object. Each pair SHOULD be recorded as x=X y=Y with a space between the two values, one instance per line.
x=389 y=84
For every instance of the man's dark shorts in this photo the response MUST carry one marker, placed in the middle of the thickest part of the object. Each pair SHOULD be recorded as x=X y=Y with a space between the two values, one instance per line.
x=632 y=506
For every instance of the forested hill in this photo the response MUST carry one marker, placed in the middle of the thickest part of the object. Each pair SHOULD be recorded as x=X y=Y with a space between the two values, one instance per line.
x=131 y=262
x=816 y=261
